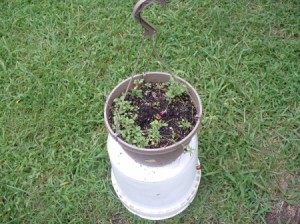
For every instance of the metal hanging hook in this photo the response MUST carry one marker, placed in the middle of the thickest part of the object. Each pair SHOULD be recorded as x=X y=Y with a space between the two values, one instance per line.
x=149 y=30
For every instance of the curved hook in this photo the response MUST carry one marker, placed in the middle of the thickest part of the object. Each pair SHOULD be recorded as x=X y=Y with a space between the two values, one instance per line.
x=149 y=30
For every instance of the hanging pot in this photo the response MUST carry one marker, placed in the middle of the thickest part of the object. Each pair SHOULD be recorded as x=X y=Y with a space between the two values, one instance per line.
x=154 y=77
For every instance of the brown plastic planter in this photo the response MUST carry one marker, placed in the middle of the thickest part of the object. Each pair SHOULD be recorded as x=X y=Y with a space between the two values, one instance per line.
x=153 y=77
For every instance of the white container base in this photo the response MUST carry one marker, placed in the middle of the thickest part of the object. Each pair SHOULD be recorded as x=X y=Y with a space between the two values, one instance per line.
x=154 y=187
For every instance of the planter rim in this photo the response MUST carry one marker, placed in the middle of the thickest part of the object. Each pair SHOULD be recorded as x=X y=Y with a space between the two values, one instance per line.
x=119 y=89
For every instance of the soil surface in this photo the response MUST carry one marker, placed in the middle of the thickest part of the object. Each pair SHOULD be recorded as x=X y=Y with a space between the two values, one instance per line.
x=285 y=213
x=287 y=208
x=155 y=106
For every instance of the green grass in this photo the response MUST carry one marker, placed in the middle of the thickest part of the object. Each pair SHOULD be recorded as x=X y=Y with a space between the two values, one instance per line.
x=59 y=60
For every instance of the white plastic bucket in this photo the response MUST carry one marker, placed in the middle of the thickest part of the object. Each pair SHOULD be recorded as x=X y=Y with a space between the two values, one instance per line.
x=155 y=187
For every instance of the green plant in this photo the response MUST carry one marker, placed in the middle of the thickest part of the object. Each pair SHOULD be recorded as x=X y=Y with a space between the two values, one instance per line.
x=125 y=123
x=148 y=85
x=131 y=132
x=154 y=133
x=184 y=124
x=134 y=135
x=160 y=85
x=189 y=149
x=137 y=83
x=126 y=107
x=173 y=135
x=136 y=92
x=175 y=89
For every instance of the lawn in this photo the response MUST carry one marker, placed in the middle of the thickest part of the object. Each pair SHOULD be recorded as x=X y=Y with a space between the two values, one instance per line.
x=60 y=59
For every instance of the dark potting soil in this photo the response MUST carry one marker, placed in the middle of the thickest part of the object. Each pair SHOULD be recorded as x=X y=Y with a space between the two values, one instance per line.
x=155 y=106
